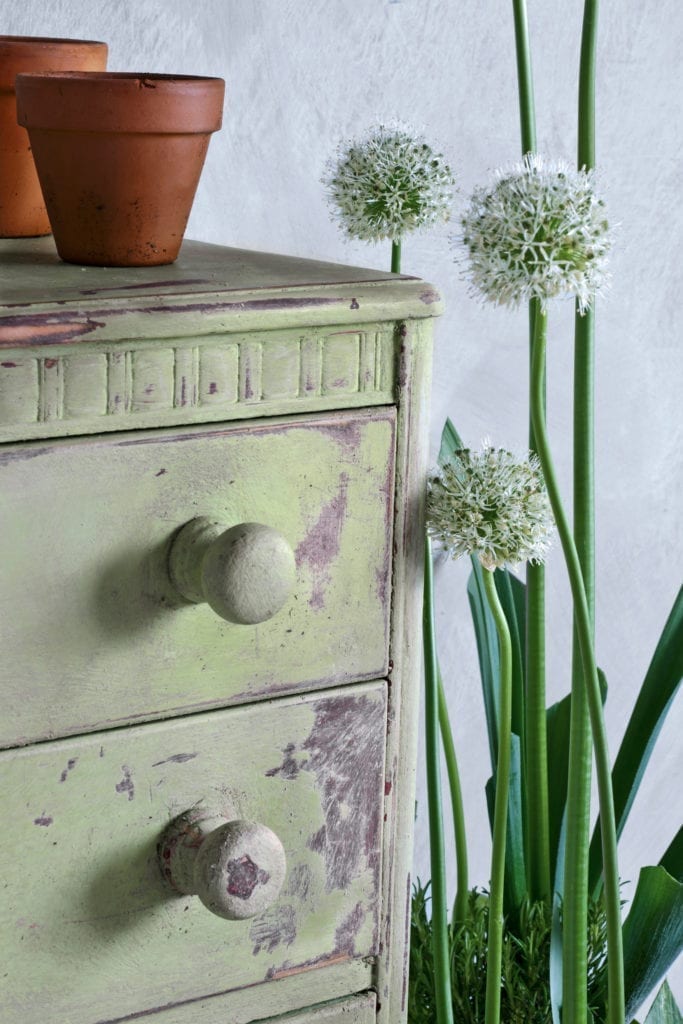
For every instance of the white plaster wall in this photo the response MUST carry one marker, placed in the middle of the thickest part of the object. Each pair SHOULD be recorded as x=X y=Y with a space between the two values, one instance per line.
x=300 y=74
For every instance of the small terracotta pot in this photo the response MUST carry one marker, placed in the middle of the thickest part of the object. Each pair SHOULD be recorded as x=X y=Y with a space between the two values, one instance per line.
x=22 y=210
x=119 y=157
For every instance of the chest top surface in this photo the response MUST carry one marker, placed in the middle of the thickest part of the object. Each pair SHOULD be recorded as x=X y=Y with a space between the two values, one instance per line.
x=205 y=277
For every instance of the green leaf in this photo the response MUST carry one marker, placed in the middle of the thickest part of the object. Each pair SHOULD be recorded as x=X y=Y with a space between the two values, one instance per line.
x=664 y=1009
x=654 y=700
x=558 y=719
x=653 y=933
x=489 y=655
x=557 y=725
x=515 y=889
x=450 y=443
x=556 y=934
x=512 y=594
x=672 y=861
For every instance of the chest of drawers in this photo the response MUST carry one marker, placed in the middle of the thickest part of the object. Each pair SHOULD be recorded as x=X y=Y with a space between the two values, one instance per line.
x=211 y=480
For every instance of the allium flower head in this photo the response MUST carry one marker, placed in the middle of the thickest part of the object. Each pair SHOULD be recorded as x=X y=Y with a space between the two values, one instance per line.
x=490 y=504
x=387 y=183
x=539 y=231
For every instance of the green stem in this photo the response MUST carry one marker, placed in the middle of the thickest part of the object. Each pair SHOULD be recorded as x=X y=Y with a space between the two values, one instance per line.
x=577 y=853
x=575 y=1008
x=534 y=740
x=440 y=944
x=524 y=77
x=396 y=257
x=462 y=885
x=584 y=446
x=500 y=810
x=589 y=33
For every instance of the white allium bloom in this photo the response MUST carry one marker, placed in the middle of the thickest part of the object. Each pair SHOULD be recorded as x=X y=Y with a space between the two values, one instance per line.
x=387 y=183
x=539 y=231
x=491 y=504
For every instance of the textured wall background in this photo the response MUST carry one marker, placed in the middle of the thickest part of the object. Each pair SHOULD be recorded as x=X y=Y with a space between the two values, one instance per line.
x=302 y=73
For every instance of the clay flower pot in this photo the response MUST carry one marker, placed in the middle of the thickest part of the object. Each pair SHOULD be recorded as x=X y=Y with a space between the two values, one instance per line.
x=22 y=210
x=119 y=157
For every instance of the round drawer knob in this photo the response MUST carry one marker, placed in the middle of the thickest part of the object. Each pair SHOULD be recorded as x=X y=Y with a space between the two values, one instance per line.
x=236 y=867
x=245 y=573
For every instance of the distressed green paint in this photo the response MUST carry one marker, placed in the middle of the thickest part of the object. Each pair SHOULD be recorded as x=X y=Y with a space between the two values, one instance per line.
x=96 y=634
x=414 y=376
x=358 y=1009
x=54 y=391
x=98 y=637
x=99 y=935
x=221 y=334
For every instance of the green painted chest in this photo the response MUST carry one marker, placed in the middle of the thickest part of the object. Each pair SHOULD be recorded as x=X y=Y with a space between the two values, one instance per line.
x=211 y=481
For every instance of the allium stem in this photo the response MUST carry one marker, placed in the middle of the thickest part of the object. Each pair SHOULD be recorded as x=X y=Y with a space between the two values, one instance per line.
x=459 y=830
x=580 y=743
x=534 y=740
x=440 y=944
x=396 y=257
x=500 y=810
x=589 y=34
x=575 y=1006
x=525 y=82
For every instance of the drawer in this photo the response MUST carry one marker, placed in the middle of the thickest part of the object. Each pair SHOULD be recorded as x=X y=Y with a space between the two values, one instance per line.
x=359 y=1009
x=93 y=632
x=92 y=930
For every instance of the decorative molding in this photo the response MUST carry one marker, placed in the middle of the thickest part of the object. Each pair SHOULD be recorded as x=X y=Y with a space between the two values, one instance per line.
x=159 y=381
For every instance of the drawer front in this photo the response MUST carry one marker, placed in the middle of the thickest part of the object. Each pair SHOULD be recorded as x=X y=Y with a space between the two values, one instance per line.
x=93 y=932
x=359 y=1009
x=93 y=633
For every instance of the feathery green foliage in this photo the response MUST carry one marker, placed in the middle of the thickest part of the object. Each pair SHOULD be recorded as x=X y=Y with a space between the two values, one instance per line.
x=525 y=997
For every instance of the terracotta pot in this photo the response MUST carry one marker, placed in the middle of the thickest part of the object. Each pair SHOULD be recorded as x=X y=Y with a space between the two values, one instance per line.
x=119 y=157
x=22 y=210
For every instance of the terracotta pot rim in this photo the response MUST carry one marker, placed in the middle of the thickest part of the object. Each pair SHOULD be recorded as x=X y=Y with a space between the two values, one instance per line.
x=19 y=54
x=94 y=77
x=47 y=41
x=105 y=102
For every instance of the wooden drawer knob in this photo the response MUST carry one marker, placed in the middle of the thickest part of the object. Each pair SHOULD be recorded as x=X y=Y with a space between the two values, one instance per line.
x=236 y=867
x=245 y=573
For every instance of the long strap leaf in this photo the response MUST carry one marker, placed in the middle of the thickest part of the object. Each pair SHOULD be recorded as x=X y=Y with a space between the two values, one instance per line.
x=653 y=933
x=654 y=700
x=664 y=1009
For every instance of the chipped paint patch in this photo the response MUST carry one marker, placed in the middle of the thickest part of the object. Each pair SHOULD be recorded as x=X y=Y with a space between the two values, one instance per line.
x=54 y=329
x=145 y=284
x=175 y=759
x=243 y=877
x=345 y=934
x=320 y=546
x=126 y=784
x=274 y=973
x=290 y=767
x=299 y=883
x=346 y=748
x=23 y=454
x=70 y=765
x=276 y=926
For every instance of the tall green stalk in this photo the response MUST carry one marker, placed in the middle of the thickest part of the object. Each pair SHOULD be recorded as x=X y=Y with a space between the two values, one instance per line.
x=458 y=811
x=534 y=745
x=440 y=944
x=575 y=1004
x=580 y=744
x=396 y=257
x=527 y=113
x=500 y=810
